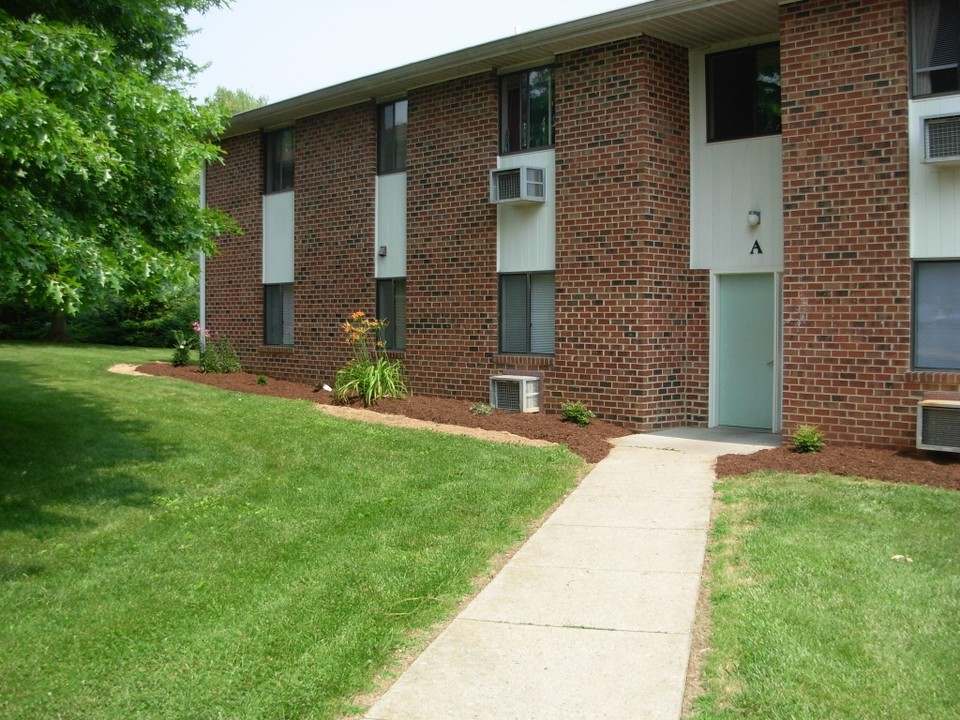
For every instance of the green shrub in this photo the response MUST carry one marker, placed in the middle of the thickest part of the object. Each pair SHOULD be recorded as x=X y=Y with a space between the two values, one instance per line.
x=481 y=409
x=219 y=356
x=577 y=412
x=808 y=438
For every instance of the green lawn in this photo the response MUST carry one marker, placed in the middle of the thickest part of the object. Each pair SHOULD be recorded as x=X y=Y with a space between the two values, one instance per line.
x=168 y=550
x=833 y=599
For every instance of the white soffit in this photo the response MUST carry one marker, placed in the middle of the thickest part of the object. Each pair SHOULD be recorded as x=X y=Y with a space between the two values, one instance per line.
x=688 y=23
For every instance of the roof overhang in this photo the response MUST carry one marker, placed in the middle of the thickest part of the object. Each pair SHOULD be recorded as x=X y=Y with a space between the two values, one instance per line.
x=688 y=23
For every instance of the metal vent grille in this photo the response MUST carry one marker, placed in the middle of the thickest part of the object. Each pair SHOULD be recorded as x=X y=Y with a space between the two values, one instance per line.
x=942 y=138
x=515 y=393
x=938 y=426
x=508 y=185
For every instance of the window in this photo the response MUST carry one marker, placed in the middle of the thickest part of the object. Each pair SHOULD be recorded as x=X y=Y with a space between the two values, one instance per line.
x=743 y=93
x=279 y=161
x=278 y=314
x=936 y=315
x=935 y=26
x=526 y=313
x=392 y=137
x=526 y=110
x=392 y=307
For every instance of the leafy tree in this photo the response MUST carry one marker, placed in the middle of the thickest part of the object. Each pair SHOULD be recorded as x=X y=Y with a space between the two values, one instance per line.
x=236 y=101
x=99 y=149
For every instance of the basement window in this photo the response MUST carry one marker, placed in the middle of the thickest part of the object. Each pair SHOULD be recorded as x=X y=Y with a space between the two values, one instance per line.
x=278 y=314
x=527 y=313
x=936 y=315
x=392 y=307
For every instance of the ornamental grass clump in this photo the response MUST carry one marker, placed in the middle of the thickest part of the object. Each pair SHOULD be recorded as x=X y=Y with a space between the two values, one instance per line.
x=370 y=374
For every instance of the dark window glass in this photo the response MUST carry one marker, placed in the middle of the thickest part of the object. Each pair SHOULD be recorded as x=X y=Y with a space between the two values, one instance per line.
x=936 y=315
x=392 y=137
x=527 y=313
x=935 y=46
x=743 y=93
x=278 y=314
x=526 y=110
x=392 y=307
x=279 y=160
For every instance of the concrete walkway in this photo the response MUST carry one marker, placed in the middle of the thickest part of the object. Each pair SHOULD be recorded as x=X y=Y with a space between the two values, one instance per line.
x=592 y=617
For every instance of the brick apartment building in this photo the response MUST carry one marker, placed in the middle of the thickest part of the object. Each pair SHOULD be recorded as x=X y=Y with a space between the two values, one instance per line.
x=730 y=212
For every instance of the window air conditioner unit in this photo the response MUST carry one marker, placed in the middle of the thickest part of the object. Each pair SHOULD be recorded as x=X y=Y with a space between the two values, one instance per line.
x=516 y=393
x=941 y=140
x=518 y=185
x=938 y=425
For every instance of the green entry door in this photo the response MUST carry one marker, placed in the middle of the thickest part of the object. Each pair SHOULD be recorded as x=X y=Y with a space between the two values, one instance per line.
x=746 y=350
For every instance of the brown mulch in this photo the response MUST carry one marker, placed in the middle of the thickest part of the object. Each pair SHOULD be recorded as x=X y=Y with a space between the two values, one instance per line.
x=915 y=467
x=591 y=442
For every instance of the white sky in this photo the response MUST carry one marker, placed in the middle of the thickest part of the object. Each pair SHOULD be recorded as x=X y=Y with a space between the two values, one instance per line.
x=283 y=48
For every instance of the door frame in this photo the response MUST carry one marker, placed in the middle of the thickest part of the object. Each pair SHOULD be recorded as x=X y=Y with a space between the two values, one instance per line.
x=712 y=393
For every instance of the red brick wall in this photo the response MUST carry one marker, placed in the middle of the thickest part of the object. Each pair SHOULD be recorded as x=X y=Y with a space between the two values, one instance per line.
x=847 y=248
x=451 y=237
x=631 y=316
x=233 y=275
x=334 y=182
x=631 y=338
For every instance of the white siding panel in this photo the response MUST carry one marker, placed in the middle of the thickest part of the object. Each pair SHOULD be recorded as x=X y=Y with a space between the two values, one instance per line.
x=728 y=180
x=391 y=225
x=278 y=238
x=526 y=234
x=934 y=191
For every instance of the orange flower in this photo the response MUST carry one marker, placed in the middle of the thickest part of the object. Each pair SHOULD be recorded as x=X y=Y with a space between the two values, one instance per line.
x=357 y=315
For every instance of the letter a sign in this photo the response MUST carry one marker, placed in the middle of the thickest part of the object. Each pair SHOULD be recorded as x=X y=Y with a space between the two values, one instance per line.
x=756 y=249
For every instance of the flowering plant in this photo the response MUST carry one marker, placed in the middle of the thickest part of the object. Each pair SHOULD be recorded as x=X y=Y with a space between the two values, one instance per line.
x=200 y=330
x=370 y=374
x=181 y=348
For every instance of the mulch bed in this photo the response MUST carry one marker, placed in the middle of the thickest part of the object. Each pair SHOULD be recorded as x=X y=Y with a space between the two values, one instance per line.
x=915 y=467
x=591 y=442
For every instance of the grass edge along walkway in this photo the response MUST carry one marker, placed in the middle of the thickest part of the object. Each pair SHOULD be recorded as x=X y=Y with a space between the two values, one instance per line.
x=832 y=598
x=169 y=550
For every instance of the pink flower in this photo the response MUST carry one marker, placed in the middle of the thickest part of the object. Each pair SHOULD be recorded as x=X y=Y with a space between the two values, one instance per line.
x=198 y=328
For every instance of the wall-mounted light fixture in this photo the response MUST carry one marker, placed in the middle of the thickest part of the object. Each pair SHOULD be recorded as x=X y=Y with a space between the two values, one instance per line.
x=753 y=218
x=382 y=251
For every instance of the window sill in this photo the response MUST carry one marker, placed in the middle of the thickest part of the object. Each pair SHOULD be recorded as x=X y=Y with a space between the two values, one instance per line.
x=524 y=360
x=527 y=151
x=933 y=376
x=276 y=349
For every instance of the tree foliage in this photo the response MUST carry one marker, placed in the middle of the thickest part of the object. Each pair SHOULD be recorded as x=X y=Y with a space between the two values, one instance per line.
x=99 y=149
x=236 y=101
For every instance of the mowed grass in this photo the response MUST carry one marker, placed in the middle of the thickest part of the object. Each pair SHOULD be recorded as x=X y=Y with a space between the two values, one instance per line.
x=168 y=550
x=833 y=598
